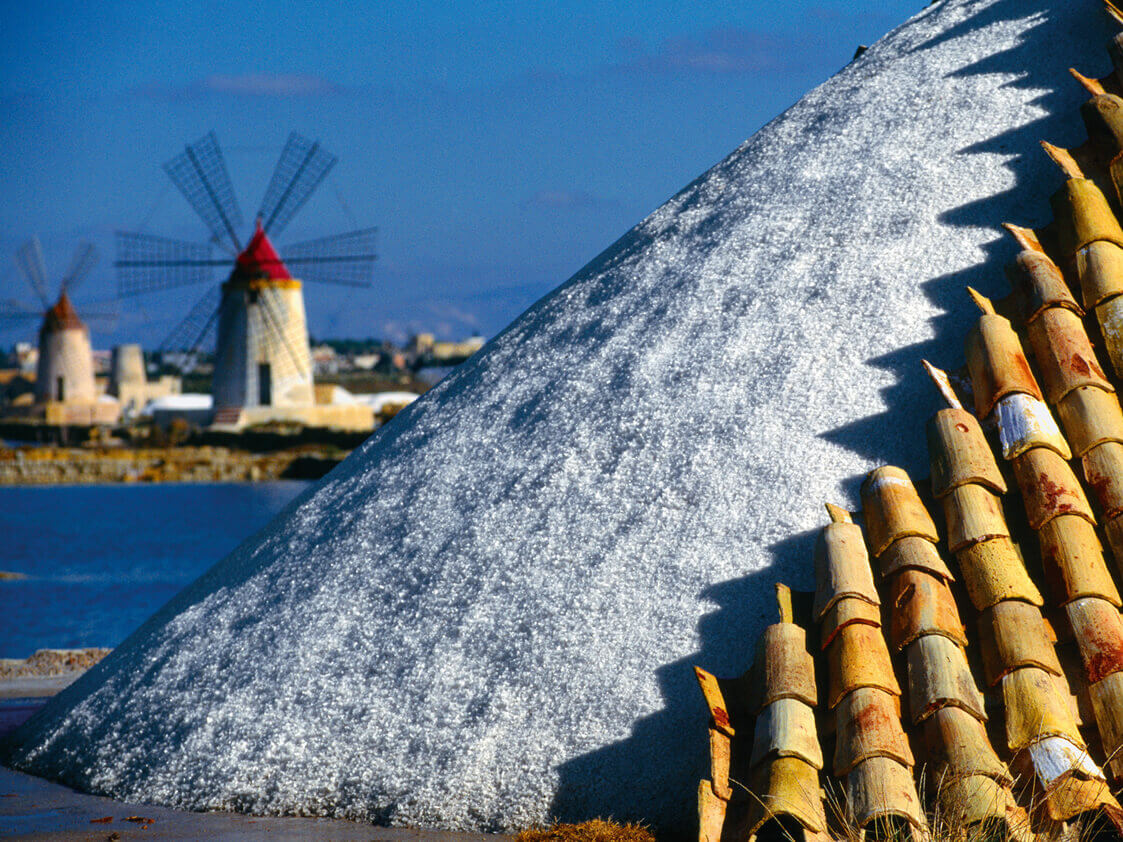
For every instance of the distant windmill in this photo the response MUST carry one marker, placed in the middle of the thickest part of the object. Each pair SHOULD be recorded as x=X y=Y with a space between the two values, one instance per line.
x=262 y=357
x=66 y=366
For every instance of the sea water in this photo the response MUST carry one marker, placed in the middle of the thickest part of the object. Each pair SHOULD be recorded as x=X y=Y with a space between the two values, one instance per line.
x=99 y=560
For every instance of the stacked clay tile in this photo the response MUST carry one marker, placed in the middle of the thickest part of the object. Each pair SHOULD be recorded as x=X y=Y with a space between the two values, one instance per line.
x=1083 y=236
x=784 y=757
x=872 y=753
x=1041 y=715
x=1073 y=557
x=1093 y=253
x=972 y=786
x=1081 y=252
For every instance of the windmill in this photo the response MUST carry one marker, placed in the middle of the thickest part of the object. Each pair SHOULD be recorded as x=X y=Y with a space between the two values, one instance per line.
x=66 y=367
x=262 y=357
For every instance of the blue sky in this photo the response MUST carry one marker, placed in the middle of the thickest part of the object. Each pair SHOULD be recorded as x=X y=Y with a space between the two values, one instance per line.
x=498 y=146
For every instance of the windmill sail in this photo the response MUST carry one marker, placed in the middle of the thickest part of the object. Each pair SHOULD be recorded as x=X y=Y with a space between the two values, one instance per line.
x=14 y=312
x=85 y=257
x=200 y=174
x=146 y=263
x=190 y=333
x=302 y=166
x=346 y=259
x=29 y=259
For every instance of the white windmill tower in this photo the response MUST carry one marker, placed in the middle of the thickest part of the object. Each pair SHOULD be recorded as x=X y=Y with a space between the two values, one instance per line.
x=263 y=368
x=65 y=386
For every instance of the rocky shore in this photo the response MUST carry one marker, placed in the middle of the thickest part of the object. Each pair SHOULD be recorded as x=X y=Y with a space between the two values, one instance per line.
x=42 y=675
x=51 y=662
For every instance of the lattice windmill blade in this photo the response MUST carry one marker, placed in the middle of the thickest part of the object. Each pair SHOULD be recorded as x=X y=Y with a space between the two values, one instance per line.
x=274 y=335
x=14 y=313
x=104 y=322
x=300 y=169
x=84 y=260
x=189 y=334
x=200 y=174
x=106 y=314
x=346 y=259
x=146 y=263
x=29 y=259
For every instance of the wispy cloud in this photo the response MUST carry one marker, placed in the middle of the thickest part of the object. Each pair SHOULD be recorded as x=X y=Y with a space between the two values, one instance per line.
x=718 y=51
x=452 y=313
x=566 y=200
x=252 y=85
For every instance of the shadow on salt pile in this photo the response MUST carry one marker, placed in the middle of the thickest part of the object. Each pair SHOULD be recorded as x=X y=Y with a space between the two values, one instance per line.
x=883 y=437
x=600 y=782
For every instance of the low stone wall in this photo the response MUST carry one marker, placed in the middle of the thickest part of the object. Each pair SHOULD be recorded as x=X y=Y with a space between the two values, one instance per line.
x=61 y=466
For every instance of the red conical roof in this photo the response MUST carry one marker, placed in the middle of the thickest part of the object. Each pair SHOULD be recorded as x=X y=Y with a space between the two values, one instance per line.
x=62 y=316
x=259 y=259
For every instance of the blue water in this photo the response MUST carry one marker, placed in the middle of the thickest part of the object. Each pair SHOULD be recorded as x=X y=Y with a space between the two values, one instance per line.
x=100 y=560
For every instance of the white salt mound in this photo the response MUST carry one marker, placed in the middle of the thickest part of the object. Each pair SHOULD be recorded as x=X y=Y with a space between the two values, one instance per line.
x=487 y=616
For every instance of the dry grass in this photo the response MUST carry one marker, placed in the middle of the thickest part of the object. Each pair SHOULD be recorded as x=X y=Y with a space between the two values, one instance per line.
x=945 y=823
x=597 y=830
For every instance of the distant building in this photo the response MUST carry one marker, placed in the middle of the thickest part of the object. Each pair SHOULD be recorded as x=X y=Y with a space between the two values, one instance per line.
x=425 y=350
x=421 y=343
x=447 y=351
x=129 y=383
x=325 y=360
x=26 y=357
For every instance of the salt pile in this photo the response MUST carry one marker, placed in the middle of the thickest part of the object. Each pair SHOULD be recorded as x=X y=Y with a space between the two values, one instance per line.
x=487 y=616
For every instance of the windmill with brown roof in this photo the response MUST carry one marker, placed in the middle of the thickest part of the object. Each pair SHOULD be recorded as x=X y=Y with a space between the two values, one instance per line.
x=65 y=388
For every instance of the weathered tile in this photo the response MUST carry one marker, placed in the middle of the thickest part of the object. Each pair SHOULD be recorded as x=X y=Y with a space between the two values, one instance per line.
x=993 y=571
x=786 y=728
x=1049 y=487
x=973 y=513
x=940 y=677
x=1098 y=630
x=1025 y=422
x=956 y=745
x=1107 y=706
x=913 y=553
x=882 y=787
x=859 y=657
x=893 y=509
x=1037 y=705
x=1074 y=561
x=960 y=453
x=787 y=787
x=783 y=669
x=997 y=364
x=1014 y=634
x=1064 y=354
x=869 y=725
x=842 y=567
x=1041 y=284
x=1103 y=471
x=843 y=613
x=922 y=604
x=1090 y=416
x=1083 y=216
